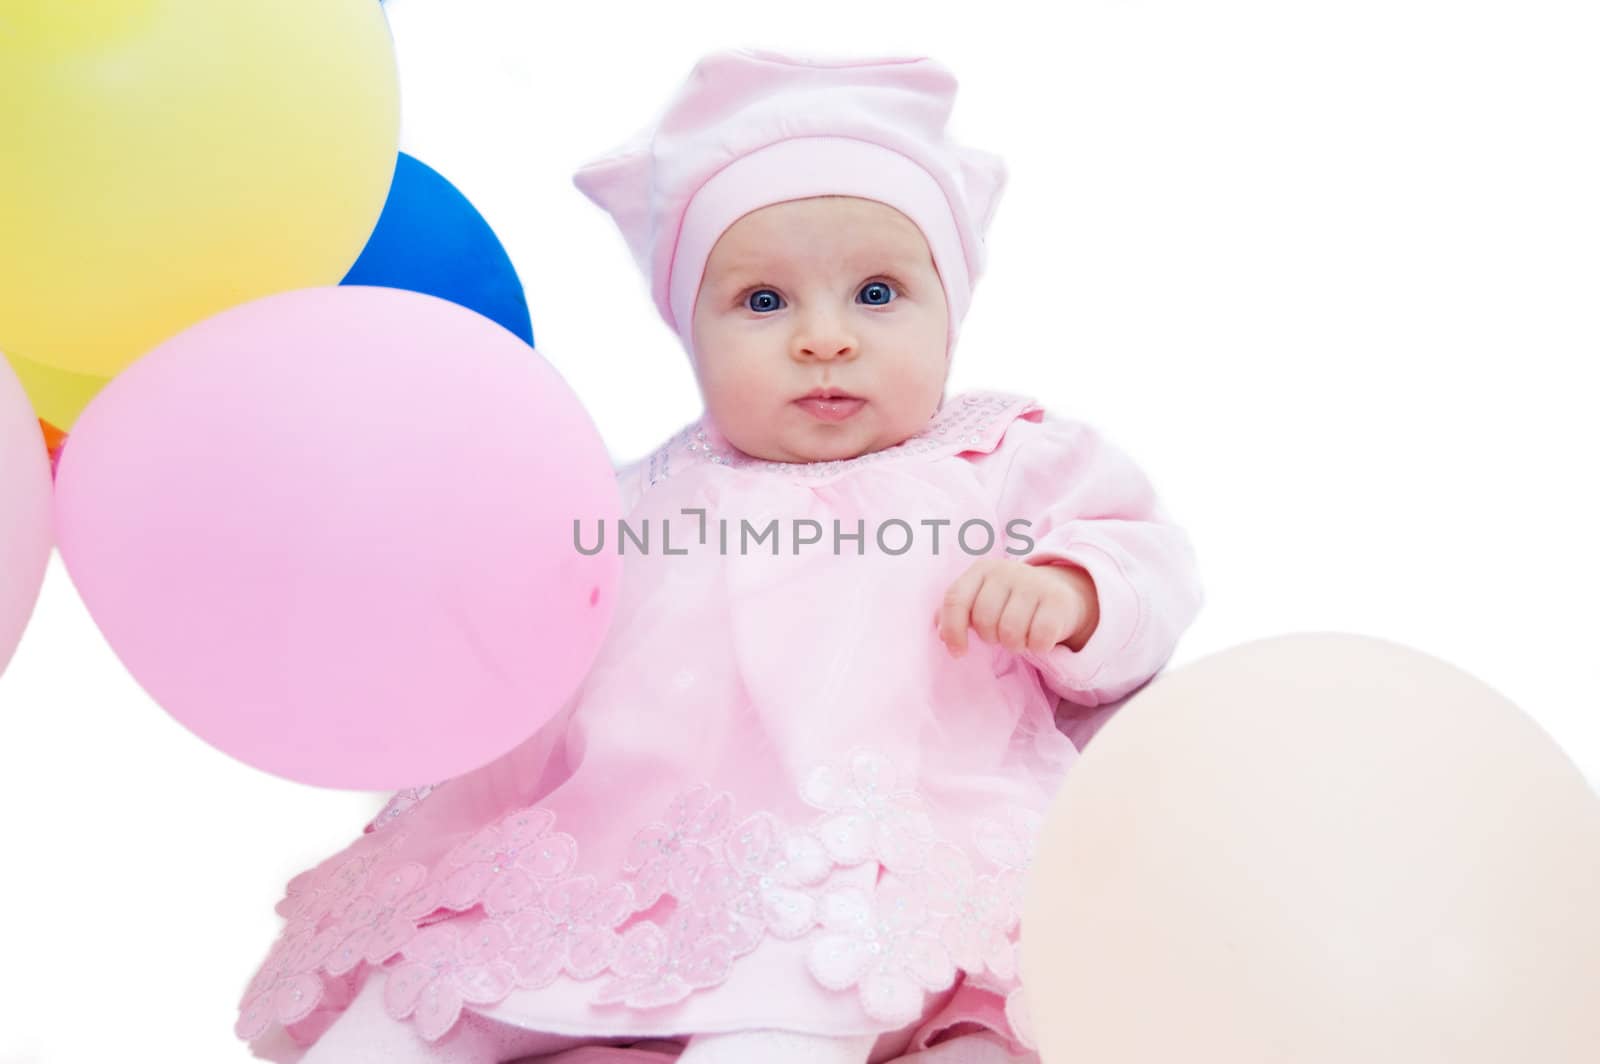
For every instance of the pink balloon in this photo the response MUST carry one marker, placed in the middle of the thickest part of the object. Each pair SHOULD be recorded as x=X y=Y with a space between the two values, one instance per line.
x=24 y=511
x=331 y=532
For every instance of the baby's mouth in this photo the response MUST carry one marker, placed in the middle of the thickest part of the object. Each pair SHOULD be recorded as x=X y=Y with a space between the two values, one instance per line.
x=832 y=409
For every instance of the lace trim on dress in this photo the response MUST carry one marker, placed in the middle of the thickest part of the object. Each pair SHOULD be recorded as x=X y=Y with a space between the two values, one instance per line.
x=402 y=801
x=730 y=880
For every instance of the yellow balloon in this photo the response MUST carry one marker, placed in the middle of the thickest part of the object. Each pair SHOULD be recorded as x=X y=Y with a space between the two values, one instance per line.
x=1319 y=848
x=57 y=395
x=168 y=159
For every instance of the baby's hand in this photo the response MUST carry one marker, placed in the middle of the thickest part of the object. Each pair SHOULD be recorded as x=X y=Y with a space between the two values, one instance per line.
x=1020 y=606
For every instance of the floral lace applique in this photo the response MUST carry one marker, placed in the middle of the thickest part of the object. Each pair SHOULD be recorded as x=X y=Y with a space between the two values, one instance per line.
x=573 y=930
x=320 y=919
x=880 y=944
x=1011 y=845
x=658 y=966
x=445 y=969
x=314 y=894
x=980 y=914
x=666 y=857
x=869 y=817
x=758 y=886
x=287 y=987
x=507 y=863
x=731 y=882
x=377 y=923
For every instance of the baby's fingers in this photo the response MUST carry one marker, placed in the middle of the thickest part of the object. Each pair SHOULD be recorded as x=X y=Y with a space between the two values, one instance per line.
x=955 y=611
x=990 y=605
x=1016 y=619
x=1050 y=626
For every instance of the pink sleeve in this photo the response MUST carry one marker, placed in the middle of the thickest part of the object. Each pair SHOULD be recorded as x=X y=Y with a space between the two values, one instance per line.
x=1087 y=503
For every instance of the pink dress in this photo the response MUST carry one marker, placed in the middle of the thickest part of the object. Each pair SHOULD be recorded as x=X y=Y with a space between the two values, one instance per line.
x=777 y=801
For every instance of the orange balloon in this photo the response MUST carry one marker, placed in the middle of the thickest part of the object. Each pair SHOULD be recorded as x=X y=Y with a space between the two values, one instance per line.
x=53 y=440
x=52 y=435
x=1317 y=848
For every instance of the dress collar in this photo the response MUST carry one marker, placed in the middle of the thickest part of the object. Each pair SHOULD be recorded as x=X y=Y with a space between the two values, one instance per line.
x=966 y=422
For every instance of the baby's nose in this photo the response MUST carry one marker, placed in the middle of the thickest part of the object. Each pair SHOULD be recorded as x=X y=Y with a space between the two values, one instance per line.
x=826 y=352
x=824 y=344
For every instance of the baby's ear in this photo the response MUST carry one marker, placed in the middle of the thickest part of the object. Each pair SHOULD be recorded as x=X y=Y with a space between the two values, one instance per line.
x=620 y=184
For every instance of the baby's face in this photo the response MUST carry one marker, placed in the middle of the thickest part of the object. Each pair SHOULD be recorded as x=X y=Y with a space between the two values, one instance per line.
x=830 y=292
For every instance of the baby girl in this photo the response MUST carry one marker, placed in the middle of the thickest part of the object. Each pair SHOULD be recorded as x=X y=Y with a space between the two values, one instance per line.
x=789 y=813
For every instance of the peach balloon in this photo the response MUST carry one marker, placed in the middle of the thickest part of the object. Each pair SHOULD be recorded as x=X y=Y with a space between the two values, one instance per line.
x=1317 y=848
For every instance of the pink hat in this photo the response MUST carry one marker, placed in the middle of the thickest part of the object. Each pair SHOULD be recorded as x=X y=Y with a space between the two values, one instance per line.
x=753 y=128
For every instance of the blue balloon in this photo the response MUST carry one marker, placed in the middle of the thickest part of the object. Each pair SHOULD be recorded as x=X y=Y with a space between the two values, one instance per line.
x=429 y=239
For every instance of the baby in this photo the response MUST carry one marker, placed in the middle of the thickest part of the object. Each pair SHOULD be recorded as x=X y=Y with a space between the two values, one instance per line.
x=789 y=813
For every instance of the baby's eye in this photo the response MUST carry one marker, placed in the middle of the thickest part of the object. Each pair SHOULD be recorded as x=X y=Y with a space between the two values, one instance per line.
x=876 y=294
x=764 y=300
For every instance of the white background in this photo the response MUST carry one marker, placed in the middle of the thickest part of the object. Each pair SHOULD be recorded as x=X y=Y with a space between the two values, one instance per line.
x=1328 y=271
